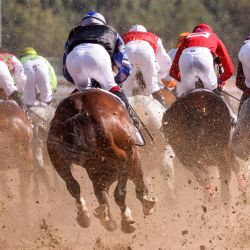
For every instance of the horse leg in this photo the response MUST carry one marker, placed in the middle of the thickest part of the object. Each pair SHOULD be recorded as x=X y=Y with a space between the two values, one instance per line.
x=5 y=188
x=240 y=175
x=83 y=216
x=136 y=175
x=225 y=177
x=127 y=223
x=37 y=147
x=168 y=169
x=25 y=176
x=101 y=181
x=201 y=175
x=25 y=169
x=103 y=211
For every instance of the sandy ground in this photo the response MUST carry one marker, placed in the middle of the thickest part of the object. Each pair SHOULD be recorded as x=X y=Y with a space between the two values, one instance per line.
x=46 y=220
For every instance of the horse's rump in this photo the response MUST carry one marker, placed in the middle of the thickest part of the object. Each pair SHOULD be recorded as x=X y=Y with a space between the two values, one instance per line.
x=15 y=133
x=197 y=126
x=13 y=118
x=90 y=120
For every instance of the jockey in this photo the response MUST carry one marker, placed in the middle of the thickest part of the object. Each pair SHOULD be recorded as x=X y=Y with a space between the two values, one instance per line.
x=148 y=57
x=40 y=74
x=243 y=71
x=90 y=50
x=168 y=81
x=11 y=66
x=194 y=59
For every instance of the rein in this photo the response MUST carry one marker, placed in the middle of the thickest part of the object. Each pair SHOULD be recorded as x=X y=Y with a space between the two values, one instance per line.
x=143 y=125
x=223 y=91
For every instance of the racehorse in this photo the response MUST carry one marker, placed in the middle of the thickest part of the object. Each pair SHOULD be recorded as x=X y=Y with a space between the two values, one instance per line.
x=241 y=133
x=155 y=152
x=150 y=112
x=92 y=129
x=197 y=127
x=16 y=139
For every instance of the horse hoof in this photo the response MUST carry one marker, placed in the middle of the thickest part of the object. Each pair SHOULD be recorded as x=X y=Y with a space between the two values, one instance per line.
x=128 y=227
x=148 y=204
x=102 y=213
x=83 y=219
x=110 y=225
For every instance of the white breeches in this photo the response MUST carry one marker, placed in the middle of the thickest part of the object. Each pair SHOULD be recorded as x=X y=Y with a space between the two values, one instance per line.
x=244 y=57
x=196 y=62
x=141 y=56
x=6 y=80
x=37 y=72
x=90 y=61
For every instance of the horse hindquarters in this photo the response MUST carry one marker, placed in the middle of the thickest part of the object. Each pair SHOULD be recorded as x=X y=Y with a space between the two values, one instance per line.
x=197 y=127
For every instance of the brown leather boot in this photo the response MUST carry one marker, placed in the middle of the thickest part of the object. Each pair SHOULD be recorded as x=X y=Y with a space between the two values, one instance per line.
x=165 y=97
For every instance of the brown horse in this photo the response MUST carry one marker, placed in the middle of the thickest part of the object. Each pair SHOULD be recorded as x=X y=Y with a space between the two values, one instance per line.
x=93 y=129
x=197 y=127
x=15 y=140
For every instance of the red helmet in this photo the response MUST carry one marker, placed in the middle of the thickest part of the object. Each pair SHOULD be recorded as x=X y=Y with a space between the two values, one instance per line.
x=202 y=27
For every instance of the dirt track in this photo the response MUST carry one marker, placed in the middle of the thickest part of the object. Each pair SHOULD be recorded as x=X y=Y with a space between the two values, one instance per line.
x=47 y=220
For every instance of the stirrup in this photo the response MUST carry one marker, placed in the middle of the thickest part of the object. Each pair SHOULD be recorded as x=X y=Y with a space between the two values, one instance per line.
x=139 y=139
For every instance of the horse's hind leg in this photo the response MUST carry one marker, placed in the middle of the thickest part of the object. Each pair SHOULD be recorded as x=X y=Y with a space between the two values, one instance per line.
x=101 y=187
x=127 y=224
x=25 y=170
x=136 y=175
x=25 y=177
x=64 y=170
x=240 y=175
x=101 y=181
x=201 y=175
x=225 y=177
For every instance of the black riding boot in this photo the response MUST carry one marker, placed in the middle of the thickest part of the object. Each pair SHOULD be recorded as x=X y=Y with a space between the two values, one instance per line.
x=131 y=112
x=15 y=96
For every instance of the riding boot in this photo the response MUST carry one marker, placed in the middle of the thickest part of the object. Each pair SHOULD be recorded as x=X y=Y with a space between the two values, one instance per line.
x=164 y=97
x=15 y=96
x=131 y=112
x=157 y=96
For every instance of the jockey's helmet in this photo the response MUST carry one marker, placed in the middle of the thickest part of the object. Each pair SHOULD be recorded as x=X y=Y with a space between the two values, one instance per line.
x=29 y=51
x=181 y=38
x=137 y=27
x=202 y=27
x=93 y=17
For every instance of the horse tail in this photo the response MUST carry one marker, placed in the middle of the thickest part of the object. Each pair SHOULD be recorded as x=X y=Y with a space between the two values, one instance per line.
x=81 y=132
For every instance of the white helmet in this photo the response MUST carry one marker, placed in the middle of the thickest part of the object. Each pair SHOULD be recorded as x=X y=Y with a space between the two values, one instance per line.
x=93 y=18
x=137 y=27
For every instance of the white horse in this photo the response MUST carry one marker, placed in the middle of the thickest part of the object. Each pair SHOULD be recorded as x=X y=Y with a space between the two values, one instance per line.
x=155 y=154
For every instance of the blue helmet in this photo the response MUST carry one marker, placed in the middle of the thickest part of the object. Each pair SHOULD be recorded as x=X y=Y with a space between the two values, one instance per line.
x=93 y=17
